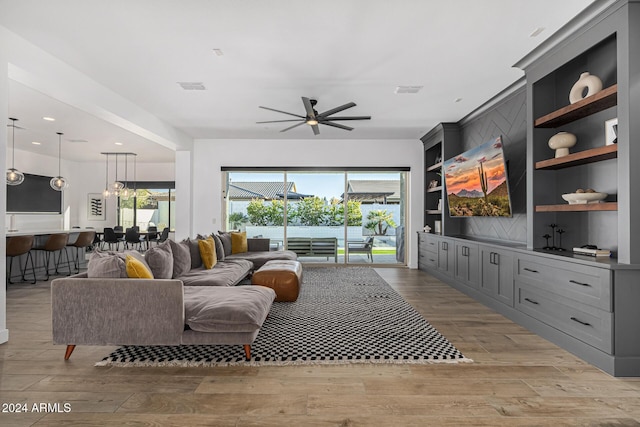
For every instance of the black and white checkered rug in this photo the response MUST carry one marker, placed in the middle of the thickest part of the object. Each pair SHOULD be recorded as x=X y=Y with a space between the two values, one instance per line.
x=343 y=315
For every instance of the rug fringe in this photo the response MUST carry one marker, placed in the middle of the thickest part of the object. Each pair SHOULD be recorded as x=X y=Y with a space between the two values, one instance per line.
x=189 y=364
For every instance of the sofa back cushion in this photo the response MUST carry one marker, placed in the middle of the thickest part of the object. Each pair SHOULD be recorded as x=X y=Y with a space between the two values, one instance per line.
x=194 y=251
x=160 y=260
x=225 y=238
x=181 y=258
x=105 y=265
x=219 y=247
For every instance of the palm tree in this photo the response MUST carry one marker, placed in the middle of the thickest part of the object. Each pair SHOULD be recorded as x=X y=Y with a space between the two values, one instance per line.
x=379 y=221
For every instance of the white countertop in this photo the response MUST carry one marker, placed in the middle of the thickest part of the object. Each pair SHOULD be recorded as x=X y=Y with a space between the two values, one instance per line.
x=43 y=232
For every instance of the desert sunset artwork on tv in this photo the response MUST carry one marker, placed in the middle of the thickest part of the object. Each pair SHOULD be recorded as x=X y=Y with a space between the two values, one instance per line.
x=476 y=182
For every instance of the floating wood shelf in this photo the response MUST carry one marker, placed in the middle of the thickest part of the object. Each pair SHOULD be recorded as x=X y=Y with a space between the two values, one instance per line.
x=581 y=158
x=434 y=167
x=434 y=212
x=602 y=100
x=587 y=207
x=434 y=189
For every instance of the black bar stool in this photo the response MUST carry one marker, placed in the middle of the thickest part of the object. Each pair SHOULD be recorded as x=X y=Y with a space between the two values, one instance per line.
x=55 y=243
x=84 y=240
x=17 y=246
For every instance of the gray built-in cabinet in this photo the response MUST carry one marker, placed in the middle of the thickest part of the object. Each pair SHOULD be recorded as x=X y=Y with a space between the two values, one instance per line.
x=589 y=306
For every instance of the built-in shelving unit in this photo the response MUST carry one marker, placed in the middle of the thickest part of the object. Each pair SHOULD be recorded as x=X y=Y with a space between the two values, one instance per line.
x=580 y=158
x=579 y=207
x=595 y=103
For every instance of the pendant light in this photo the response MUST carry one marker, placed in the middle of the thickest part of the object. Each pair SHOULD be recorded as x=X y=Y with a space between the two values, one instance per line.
x=125 y=193
x=117 y=186
x=59 y=183
x=14 y=176
x=134 y=194
x=106 y=193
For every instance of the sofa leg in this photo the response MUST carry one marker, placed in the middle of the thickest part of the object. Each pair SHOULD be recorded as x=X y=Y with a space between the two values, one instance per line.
x=67 y=354
x=247 y=351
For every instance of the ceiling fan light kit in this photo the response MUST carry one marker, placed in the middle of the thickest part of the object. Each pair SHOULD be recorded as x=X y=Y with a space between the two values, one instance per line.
x=313 y=119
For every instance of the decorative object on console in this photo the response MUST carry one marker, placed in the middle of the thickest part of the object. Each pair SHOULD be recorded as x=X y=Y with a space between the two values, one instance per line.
x=553 y=237
x=427 y=229
x=561 y=142
x=14 y=176
x=59 y=183
x=611 y=131
x=592 y=250
x=437 y=227
x=546 y=237
x=592 y=83
x=560 y=232
x=581 y=197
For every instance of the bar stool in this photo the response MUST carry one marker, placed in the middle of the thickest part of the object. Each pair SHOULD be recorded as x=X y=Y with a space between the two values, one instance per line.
x=84 y=240
x=55 y=243
x=17 y=246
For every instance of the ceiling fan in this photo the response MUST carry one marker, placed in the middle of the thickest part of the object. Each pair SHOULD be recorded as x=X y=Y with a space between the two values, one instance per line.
x=312 y=118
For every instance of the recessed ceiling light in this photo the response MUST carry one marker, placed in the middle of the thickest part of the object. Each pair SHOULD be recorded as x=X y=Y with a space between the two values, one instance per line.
x=35 y=142
x=536 y=32
x=49 y=119
x=192 y=85
x=218 y=52
x=407 y=89
x=457 y=100
x=118 y=143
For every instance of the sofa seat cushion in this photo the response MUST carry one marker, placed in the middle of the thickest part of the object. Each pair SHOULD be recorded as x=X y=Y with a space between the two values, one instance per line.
x=260 y=258
x=224 y=273
x=227 y=309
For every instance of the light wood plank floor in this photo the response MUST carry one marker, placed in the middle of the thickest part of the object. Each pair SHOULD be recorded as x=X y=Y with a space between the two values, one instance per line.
x=518 y=379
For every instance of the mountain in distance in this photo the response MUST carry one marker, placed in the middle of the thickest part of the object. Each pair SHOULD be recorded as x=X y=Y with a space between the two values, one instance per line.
x=467 y=193
x=501 y=190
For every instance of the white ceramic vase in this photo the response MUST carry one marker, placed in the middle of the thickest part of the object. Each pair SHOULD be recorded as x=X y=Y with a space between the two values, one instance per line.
x=561 y=142
x=593 y=84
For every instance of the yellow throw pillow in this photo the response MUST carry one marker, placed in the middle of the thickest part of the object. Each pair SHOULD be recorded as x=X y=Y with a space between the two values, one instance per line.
x=208 y=252
x=238 y=242
x=136 y=269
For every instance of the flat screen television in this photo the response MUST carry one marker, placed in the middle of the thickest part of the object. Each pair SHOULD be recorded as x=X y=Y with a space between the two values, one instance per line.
x=476 y=182
x=34 y=195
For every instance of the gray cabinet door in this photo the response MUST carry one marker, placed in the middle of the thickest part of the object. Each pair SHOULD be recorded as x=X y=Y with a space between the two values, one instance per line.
x=496 y=274
x=467 y=267
x=446 y=256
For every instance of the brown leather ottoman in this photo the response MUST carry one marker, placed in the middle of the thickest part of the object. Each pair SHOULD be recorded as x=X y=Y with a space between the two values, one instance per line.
x=283 y=276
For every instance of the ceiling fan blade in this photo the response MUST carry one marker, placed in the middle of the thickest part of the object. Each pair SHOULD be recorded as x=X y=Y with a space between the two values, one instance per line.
x=336 y=125
x=316 y=130
x=283 y=112
x=291 y=127
x=280 y=121
x=337 y=109
x=347 y=118
x=308 y=107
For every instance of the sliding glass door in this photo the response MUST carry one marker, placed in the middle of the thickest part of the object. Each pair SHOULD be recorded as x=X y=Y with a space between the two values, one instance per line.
x=329 y=217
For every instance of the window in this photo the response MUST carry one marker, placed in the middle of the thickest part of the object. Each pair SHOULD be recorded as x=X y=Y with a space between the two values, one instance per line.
x=360 y=213
x=154 y=205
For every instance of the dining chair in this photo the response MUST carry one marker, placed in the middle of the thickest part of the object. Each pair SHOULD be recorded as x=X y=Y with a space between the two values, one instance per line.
x=164 y=235
x=17 y=246
x=152 y=235
x=132 y=237
x=110 y=238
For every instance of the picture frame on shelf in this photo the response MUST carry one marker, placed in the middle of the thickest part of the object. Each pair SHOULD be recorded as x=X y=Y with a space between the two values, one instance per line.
x=611 y=131
x=96 y=209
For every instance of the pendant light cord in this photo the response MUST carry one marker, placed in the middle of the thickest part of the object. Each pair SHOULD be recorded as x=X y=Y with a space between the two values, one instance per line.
x=59 y=152
x=13 y=144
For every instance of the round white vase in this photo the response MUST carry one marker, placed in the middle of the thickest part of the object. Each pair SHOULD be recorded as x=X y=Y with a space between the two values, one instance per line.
x=593 y=84
x=561 y=142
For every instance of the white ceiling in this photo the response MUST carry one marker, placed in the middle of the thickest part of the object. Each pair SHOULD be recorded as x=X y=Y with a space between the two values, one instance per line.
x=274 y=52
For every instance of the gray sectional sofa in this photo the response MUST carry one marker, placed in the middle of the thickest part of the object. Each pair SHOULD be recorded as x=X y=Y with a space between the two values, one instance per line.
x=184 y=304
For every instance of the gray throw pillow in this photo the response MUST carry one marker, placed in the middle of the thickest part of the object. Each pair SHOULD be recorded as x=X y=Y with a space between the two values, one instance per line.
x=160 y=260
x=106 y=265
x=219 y=248
x=181 y=258
x=225 y=238
x=194 y=251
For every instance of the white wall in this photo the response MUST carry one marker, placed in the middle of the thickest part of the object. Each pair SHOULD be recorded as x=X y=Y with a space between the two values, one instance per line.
x=83 y=178
x=210 y=155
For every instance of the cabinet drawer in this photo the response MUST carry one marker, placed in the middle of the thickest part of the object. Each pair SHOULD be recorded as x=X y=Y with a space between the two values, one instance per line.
x=588 y=285
x=430 y=244
x=427 y=259
x=588 y=324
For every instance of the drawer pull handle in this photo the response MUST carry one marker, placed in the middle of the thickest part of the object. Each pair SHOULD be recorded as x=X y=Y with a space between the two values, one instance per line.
x=531 y=301
x=530 y=270
x=432 y=260
x=579 y=283
x=580 y=321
